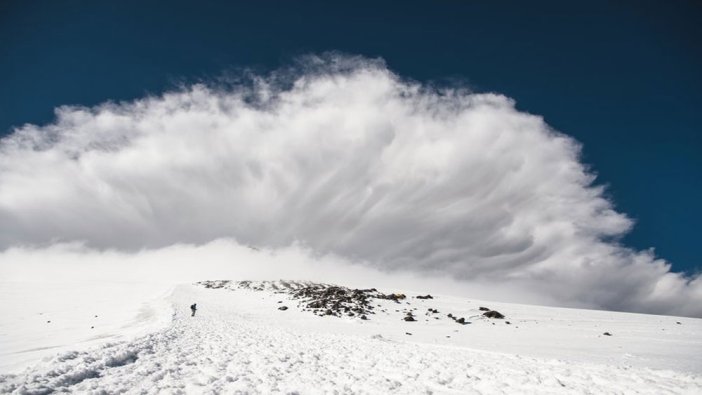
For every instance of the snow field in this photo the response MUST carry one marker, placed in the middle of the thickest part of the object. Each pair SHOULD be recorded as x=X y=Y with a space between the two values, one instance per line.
x=240 y=342
x=40 y=319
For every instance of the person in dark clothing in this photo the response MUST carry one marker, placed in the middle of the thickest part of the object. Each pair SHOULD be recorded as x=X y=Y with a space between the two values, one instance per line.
x=193 y=308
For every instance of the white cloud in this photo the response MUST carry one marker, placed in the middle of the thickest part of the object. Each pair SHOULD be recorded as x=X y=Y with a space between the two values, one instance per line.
x=346 y=158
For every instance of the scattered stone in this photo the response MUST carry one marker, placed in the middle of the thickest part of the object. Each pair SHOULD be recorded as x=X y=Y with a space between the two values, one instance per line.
x=48 y=322
x=461 y=321
x=508 y=323
x=218 y=284
x=678 y=322
x=92 y=327
x=408 y=334
x=493 y=314
x=483 y=308
x=607 y=334
x=341 y=300
x=329 y=300
x=397 y=297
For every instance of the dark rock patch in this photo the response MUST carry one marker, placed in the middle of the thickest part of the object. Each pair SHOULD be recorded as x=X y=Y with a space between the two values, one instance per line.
x=493 y=314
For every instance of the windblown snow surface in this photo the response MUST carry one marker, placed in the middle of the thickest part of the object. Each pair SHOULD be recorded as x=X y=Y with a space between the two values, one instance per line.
x=240 y=341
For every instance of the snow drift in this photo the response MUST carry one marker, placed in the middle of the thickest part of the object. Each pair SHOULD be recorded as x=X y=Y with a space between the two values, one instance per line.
x=347 y=159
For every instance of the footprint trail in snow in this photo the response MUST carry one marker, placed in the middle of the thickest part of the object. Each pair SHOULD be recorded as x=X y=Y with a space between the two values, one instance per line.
x=227 y=347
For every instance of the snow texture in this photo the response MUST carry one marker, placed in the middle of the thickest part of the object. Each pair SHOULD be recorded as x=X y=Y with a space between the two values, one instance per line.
x=239 y=341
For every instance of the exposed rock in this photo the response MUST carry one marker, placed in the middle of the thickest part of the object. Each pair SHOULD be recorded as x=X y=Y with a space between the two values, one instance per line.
x=493 y=314
x=215 y=284
x=283 y=308
x=397 y=297
x=607 y=334
x=341 y=300
x=481 y=308
x=329 y=300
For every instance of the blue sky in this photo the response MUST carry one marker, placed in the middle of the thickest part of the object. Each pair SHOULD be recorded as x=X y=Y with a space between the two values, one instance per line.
x=622 y=79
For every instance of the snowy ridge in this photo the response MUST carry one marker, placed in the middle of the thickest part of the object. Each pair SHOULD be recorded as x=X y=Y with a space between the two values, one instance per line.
x=273 y=286
x=333 y=300
x=240 y=341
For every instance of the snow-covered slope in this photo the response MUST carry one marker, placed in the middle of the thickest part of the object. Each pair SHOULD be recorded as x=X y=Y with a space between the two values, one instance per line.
x=40 y=319
x=240 y=340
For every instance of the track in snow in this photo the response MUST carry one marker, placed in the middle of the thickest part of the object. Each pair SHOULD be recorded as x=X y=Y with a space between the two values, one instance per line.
x=227 y=349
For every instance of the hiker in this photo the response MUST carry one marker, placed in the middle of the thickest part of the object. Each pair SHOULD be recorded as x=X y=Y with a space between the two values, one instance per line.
x=193 y=308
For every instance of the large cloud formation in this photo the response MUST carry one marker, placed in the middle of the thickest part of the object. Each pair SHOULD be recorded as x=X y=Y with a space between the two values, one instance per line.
x=345 y=158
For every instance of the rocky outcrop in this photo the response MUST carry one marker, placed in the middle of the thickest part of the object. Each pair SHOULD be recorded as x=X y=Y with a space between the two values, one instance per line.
x=493 y=314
